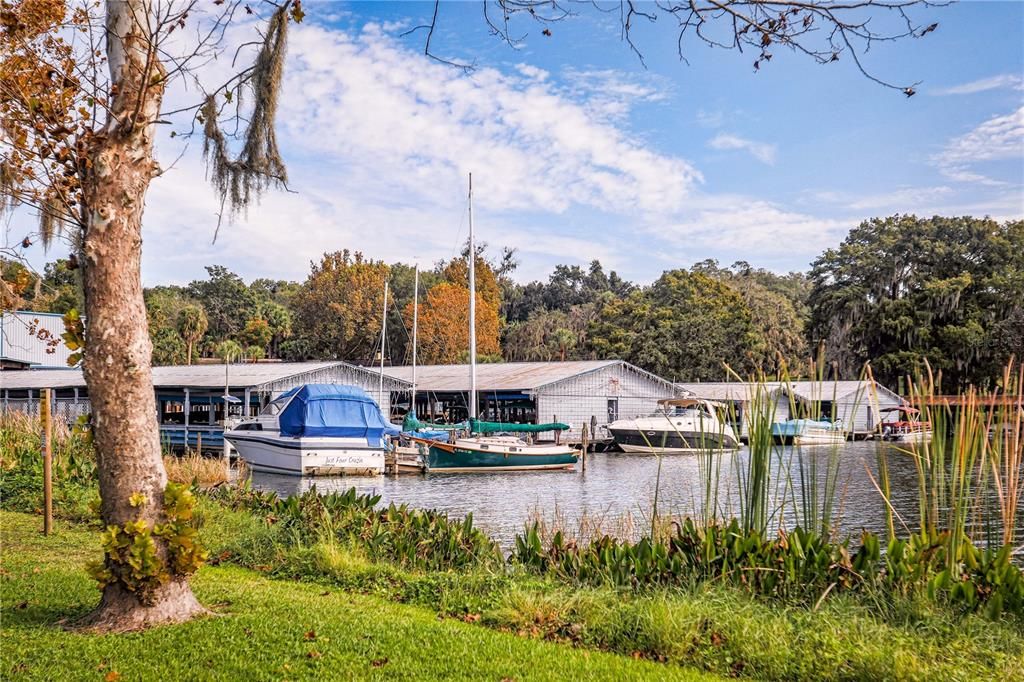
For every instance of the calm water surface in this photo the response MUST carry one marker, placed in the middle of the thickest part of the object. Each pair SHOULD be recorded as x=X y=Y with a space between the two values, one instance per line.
x=617 y=486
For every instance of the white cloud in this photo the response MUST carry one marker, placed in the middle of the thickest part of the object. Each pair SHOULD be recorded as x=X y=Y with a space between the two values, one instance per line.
x=378 y=141
x=738 y=227
x=1003 y=81
x=710 y=119
x=998 y=139
x=904 y=199
x=409 y=126
x=763 y=152
x=611 y=95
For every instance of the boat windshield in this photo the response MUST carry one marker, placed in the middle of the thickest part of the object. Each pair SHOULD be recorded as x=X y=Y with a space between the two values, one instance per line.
x=692 y=412
x=274 y=407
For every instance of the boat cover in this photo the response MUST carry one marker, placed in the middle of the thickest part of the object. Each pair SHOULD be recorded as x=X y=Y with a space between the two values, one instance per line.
x=337 y=410
x=428 y=430
x=477 y=426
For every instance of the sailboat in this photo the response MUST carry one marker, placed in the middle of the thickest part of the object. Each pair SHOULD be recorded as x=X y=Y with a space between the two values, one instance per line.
x=494 y=447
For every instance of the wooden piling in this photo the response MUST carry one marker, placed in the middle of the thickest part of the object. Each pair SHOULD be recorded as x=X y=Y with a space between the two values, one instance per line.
x=47 y=418
x=199 y=443
x=583 y=455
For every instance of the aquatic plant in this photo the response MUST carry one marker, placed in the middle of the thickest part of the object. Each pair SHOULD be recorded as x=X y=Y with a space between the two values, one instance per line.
x=413 y=538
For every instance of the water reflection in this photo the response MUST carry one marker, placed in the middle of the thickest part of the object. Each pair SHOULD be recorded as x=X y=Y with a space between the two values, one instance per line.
x=617 y=484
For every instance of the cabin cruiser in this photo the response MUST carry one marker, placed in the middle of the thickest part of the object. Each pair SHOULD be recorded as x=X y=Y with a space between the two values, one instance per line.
x=808 y=432
x=315 y=430
x=679 y=425
x=907 y=427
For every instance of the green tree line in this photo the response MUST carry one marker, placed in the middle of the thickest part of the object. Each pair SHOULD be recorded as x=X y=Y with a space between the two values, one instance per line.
x=902 y=292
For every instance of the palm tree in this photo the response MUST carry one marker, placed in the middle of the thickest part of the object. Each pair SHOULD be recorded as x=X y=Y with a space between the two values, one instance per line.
x=192 y=324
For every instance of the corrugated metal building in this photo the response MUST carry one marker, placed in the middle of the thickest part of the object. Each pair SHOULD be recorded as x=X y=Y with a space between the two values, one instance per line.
x=23 y=341
x=190 y=401
x=855 y=403
x=532 y=392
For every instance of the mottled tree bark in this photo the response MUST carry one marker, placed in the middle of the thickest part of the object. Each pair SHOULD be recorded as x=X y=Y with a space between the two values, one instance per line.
x=118 y=349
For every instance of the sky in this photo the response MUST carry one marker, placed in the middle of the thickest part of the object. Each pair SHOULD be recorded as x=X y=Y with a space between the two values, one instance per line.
x=579 y=151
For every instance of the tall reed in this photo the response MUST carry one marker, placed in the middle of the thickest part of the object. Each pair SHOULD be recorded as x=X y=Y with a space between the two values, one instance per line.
x=1006 y=425
x=755 y=475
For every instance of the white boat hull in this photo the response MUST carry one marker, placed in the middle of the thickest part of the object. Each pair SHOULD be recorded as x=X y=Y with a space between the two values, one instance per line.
x=820 y=437
x=308 y=456
x=912 y=437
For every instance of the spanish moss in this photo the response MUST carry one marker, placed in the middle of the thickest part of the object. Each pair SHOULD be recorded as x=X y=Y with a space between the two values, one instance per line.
x=239 y=181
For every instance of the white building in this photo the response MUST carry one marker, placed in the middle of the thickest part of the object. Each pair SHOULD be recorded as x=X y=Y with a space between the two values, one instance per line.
x=535 y=392
x=856 y=404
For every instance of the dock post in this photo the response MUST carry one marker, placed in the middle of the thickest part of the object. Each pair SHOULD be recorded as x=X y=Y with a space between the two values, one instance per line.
x=44 y=413
x=199 y=443
x=583 y=455
x=188 y=412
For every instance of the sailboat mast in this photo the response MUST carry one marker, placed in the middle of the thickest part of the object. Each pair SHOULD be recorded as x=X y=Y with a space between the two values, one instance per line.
x=472 y=308
x=415 y=331
x=383 y=336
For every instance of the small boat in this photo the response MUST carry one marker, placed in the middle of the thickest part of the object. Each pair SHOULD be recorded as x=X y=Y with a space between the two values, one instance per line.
x=808 y=432
x=907 y=427
x=494 y=448
x=680 y=425
x=315 y=430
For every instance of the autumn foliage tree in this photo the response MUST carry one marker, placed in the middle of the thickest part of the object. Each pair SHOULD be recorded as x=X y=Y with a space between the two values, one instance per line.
x=444 y=328
x=339 y=306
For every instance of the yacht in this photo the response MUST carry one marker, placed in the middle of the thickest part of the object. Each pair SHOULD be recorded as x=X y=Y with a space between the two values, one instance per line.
x=679 y=425
x=315 y=430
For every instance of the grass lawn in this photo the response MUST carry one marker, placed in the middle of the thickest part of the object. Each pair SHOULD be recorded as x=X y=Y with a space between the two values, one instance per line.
x=267 y=630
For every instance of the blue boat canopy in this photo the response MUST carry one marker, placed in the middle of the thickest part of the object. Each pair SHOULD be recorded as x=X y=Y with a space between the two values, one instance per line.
x=336 y=410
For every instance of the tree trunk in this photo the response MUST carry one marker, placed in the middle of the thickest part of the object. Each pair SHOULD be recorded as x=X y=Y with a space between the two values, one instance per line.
x=118 y=354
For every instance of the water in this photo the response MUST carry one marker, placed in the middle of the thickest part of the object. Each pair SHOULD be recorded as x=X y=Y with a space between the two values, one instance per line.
x=617 y=485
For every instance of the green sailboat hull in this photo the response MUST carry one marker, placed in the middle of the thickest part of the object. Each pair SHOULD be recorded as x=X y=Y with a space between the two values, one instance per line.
x=448 y=457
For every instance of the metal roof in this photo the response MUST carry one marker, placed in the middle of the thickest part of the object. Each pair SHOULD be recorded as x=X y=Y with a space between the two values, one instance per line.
x=804 y=390
x=20 y=341
x=240 y=375
x=502 y=376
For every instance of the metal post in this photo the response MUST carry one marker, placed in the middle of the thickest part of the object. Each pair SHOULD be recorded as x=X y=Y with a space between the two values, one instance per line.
x=44 y=411
x=415 y=332
x=383 y=338
x=472 y=307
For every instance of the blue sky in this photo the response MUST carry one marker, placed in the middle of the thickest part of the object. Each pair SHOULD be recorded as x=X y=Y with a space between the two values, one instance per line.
x=579 y=152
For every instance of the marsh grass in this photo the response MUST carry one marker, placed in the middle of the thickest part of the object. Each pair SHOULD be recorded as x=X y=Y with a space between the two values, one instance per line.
x=192 y=468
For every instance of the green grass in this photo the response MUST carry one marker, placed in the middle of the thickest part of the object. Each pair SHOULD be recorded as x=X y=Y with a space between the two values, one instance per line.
x=267 y=630
x=462 y=624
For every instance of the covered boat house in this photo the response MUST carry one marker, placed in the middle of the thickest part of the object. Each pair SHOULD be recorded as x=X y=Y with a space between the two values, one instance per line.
x=191 y=402
x=573 y=392
x=857 y=404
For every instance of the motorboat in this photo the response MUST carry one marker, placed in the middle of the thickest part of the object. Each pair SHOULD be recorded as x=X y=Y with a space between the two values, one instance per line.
x=679 y=425
x=808 y=432
x=907 y=427
x=316 y=430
